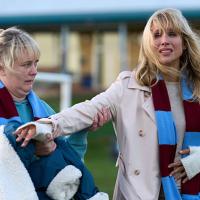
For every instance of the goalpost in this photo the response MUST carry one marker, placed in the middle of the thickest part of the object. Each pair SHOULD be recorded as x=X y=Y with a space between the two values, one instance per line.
x=65 y=81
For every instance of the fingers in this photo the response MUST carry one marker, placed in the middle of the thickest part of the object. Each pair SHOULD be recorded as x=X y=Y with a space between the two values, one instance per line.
x=175 y=164
x=95 y=123
x=101 y=118
x=105 y=115
x=179 y=171
x=180 y=174
x=176 y=171
x=21 y=133
x=25 y=134
x=184 y=151
x=28 y=137
x=185 y=180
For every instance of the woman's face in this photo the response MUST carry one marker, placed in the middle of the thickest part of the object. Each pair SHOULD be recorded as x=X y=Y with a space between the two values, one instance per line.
x=19 y=80
x=168 y=46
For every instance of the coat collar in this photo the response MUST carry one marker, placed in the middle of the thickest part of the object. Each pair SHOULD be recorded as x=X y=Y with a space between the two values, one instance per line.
x=133 y=84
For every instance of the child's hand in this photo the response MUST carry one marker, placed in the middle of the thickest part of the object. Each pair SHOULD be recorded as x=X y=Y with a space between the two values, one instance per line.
x=45 y=148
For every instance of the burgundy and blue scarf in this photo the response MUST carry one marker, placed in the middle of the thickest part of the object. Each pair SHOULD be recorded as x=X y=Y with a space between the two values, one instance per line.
x=167 y=138
x=8 y=111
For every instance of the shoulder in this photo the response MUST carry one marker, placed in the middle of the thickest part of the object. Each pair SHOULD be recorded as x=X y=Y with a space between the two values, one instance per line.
x=128 y=78
x=125 y=75
x=124 y=78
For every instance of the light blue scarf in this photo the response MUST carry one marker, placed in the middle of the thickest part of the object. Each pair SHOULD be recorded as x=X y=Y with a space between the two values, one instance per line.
x=167 y=138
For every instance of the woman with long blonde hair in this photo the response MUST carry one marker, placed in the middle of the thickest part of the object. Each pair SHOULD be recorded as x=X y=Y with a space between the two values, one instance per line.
x=155 y=111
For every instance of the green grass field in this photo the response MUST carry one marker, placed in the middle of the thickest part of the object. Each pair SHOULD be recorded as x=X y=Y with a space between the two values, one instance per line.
x=98 y=158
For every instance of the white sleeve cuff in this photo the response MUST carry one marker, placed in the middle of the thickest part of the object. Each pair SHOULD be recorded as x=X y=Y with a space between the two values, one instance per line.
x=43 y=129
x=194 y=149
x=191 y=162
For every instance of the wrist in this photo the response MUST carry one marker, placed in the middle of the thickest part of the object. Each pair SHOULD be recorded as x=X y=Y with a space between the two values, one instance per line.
x=43 y=131
x=191 y=163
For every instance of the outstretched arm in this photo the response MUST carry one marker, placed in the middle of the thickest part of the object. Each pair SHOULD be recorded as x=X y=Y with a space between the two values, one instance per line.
x=78 y=117
x=42 y=131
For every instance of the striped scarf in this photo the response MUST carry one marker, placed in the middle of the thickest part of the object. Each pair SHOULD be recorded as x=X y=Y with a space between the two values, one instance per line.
x=167 y=138
x=8 y=111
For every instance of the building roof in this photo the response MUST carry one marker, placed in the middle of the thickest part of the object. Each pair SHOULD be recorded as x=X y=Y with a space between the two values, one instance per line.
x=79 y=11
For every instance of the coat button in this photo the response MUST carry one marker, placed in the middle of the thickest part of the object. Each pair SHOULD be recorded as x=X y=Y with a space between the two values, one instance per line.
x=137 y=172
x=141 y=133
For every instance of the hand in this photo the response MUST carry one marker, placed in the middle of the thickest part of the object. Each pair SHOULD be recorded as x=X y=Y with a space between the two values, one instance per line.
x=45 y=148
x=26 y=133
x=179 y=171
x=100 y=119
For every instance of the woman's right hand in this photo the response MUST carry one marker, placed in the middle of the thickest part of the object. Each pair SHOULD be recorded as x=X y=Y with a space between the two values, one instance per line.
x=100 y=119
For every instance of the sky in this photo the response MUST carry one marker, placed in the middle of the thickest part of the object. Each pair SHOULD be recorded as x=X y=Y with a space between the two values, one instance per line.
x=29 y=7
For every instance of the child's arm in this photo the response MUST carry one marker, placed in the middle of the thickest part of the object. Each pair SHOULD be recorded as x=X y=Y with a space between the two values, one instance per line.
x=27 y=154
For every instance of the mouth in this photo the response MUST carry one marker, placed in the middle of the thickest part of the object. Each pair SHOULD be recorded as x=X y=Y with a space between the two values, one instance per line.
x=29 y=81
x=165 y=51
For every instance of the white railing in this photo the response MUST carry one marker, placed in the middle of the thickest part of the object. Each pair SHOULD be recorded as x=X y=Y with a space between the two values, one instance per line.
x=65 y=81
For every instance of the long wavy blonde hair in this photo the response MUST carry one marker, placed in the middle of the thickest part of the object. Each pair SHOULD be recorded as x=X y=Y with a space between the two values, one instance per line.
x=148 y=64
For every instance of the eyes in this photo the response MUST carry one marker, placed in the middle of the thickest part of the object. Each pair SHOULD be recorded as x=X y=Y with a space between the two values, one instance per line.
x=29 y=63
x=158 y=34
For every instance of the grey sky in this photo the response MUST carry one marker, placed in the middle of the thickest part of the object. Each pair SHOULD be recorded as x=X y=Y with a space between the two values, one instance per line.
x=31 y=7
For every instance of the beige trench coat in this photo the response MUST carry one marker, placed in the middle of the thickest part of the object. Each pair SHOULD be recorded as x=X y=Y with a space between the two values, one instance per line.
x=134 y=122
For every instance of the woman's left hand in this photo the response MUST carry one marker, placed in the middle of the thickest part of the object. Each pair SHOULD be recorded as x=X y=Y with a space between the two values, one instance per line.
x=25 y=134
x=178 y=169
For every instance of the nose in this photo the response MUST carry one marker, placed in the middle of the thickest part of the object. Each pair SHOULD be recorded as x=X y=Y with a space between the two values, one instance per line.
x=164 y=39
x=33 y=70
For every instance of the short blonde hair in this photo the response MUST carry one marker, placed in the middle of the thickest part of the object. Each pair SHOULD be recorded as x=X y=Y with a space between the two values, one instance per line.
x=148 y=64
x=13 y=44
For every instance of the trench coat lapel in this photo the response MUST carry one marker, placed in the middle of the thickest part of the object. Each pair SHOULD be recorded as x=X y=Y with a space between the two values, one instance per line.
x=148 y=104
x=149 y=109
